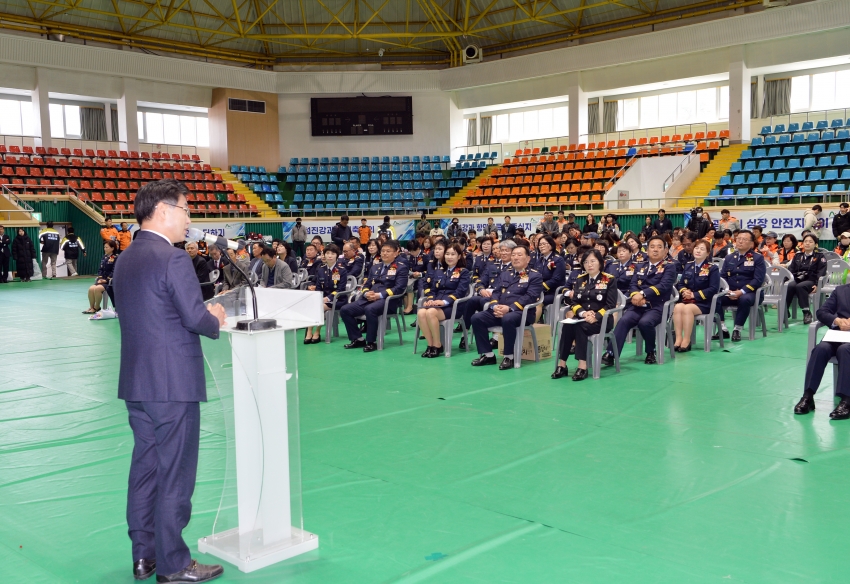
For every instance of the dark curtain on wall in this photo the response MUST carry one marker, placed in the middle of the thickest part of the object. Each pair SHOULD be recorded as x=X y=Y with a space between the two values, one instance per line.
x=593 y=118
x=114 y=125
x=609 y=117
x=486 y=130
x=777 y=98
x=93 y=124
x=471 y=132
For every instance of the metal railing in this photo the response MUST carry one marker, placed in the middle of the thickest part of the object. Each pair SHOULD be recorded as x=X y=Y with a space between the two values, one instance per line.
x=815 y=116
x=72 y=143
x=638 y=133
x=677 y=172
x=482 y=149
x=23 y=206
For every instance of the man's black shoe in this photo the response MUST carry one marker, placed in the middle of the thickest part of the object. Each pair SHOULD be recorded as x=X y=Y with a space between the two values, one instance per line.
x=507 y=363
x=194 y=573
x=355 y=344
x=736 y=336
x=805 y=405
x=650 y=358
x=560 y=372
x=494 y=344
x=484 y=360
x=842 y=410
x=462 y=345
x=580 y=374
x=608 y=358
x=143 y=569
x=458 y=328
x=717 y=338
x=369 y=347
x=807 y=318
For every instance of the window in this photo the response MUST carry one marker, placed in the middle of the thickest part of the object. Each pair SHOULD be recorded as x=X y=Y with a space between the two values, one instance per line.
x=687 y=106
x=723 y=111
x=823 y=91
x=10 y=117
x=667 y=109
x=649 y=111
x=521 y=126
x=174 y=129
x=72 y=121
x=800 y=93
x=561 y=121
x=544 y=123
x=57 y=121
x=631 y=111
x=153 y=122
x=171 y=129
x=64 y=121
x=501 y=128
x=530 y=125
x=516 y=127
x=203 y=132
x=707 y=104
x=188 y=131
x=842 y=89
x=140 y=122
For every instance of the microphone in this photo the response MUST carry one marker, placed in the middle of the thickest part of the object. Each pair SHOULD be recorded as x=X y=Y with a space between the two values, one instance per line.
x=193 y=234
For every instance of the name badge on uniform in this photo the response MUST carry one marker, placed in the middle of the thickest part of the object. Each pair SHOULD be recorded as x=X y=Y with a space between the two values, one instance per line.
x=749 y=263
x=660 y=270
x=630 y=272
x=601 y=286
x=523 y=280
x=391 y=272
x=335 y=277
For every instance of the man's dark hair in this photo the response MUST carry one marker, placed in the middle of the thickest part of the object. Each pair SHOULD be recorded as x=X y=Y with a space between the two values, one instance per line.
x=759 y=227
x=153 y=193
x=276 y=240
x=392 y=244
x=332 y=248
x=268 y=252
x=817 y=208
x=69 y=230
x=813 y=237
x=654 y=238
x=844 y=205
x=344 y=218
x=523 y=246
x=662 y=211
x=689 y=235
x=748 y=232
x=386 y=218
x=412 y=245
x=624 y=246
x=50 y=224
x=722 y=211
x=719 y=235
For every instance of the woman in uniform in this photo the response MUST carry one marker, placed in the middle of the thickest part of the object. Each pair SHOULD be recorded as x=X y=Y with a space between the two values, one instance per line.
x=449 y=282
x=638 y=256
x=551 y=266
x=311 y=261
x=807 y=267
x=373 y=256
x=700 y=282
x=434 y=262
x=331 y=278
x=104 y=275
x=594 y=293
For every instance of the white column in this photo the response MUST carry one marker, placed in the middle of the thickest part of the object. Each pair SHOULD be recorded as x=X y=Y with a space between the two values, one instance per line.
x=128 y=128
x=578 y=109
x=107 y=110
x=739 y=99
x=41 y=109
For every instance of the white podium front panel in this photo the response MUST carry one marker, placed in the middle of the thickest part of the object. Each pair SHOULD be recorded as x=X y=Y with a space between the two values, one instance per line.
x=259 y=521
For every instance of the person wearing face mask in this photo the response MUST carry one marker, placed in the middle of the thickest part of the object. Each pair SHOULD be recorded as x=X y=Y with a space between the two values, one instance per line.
x=594 y=293
x=700 y=282
x=843 y=244
x=698 y=223
x=744 y=270
x=450 y=283
x=807 y=268
x=454 y=230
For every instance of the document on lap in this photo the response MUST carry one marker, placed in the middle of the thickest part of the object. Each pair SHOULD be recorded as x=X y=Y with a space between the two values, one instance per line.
x=836 y=336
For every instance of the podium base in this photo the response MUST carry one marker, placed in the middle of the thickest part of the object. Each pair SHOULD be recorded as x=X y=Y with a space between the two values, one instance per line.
x=226 y=546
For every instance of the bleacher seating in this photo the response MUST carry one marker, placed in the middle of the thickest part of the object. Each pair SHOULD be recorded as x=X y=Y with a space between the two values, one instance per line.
x=108 y=180
x=806 y=166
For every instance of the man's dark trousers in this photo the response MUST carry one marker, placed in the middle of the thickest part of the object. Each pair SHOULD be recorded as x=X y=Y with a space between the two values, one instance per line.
x=819 y=360
x=162 y=477
x=743 y=304
x=509 y=323
x=645 y=319
x=373 y=312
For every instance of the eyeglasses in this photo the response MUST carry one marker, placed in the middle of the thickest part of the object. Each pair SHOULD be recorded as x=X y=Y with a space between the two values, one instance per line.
x=185 y=209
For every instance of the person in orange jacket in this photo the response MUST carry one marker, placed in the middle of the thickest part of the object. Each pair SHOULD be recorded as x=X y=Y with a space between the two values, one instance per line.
x=109 y=232
x=125 y=237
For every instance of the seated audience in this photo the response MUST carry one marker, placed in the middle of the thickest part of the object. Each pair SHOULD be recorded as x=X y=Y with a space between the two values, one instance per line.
x=202 y=270
x=700 y=282
x=485 y=285
x=807 y=267
x=103 y=280
x=651 y=286
x=351 y=260
x=594 y=293
x=373 y=256
x=835 y=313
x=744 y=271
x=275 y=273
x=311 y=261
x=551 y=266
x=513 y=290
x=331 y=278
x=787 y=250
x=386 y=282
x=449 y=283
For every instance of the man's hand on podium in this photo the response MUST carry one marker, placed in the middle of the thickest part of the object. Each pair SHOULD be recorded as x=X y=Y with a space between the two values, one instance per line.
x=217 y=310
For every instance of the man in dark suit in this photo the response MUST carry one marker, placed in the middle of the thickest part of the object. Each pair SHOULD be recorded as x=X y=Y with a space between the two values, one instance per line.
x=162 y=382
x=216 y=263
x=835 y=313
x=5 y=254
x=508 y=229
x=662 y=225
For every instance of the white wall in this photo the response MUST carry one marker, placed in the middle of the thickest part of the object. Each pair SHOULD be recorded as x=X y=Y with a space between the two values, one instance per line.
x=432 y=129
x=645 y=181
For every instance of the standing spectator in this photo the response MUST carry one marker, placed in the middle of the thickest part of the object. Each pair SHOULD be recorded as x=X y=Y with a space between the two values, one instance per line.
x=423 y=225
x=341 y=232
x=202 y=270
x=109 y=232
x=662 y=225
x=698 y=223
x=103 y=282
x=807 y=268
x=454 y=230
x=49 y=240
x=548 y=226
x=728 y=222
x=812 y=220
x=387 y=228
x=125 y=236
x=508 y=229
x=591 y=226
x=216 y=262
x=23 y=252
x=610 y=225
x=299 y=237
x=841 y=222
x=5 y=254
x=275 y=274
x=364 y=232
x=490 y=228
x=436 y=230
x=570 y=224
x=71 y=247
x=648 y=229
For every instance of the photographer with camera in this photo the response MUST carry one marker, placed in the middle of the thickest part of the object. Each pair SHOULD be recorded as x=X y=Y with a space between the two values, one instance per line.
x=698 y=223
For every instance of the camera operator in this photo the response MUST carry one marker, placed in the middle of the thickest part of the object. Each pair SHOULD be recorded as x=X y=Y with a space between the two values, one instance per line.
x=698 y=223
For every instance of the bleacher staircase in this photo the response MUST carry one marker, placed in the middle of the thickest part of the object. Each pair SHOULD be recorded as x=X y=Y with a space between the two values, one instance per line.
x=710 y=175
x=241 y=189
x=472 y=186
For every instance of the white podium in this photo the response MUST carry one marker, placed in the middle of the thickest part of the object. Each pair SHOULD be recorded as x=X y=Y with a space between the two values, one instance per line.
x=259 y=520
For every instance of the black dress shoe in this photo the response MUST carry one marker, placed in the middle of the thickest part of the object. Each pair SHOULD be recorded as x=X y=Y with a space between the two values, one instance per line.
x=369 y=347
x=355 y=344
x=193 y=573
x=560 y=372
x=484 y=360
x=717 y=338
x=805 y=405
x=580 y=374
x=494 y=344
x=437 y=351
x=650 y=358
x=507 y=363
x=683 y=349
x=427 y=353
x=308 y=341
x=608 y=358
x=736 y=336
x=143 y=569
x=458 y=329
x=807 y=318
x=842 y=410
x=462 y=345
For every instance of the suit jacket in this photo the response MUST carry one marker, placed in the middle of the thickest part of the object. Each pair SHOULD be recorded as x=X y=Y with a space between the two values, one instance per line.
x=220 y=267
x=232 y=278
x=836 y=306
x=282 y=275
x=508 y=231
x=161 y=357
x=5 y=245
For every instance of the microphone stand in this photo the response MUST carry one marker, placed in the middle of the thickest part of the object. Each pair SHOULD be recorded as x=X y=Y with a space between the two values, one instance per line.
x=255 y=324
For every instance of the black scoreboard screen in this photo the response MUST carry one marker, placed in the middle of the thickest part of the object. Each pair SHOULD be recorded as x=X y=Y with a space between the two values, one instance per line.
x=361 y=116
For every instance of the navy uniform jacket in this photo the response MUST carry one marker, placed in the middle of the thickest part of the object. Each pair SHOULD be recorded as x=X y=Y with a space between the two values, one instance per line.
x=623 y=273
x=808 y=268
x=387 y=279
x=702 y=280
x=107 y=267
x=597 y=294
x=553 y=270
x=354 y=266
x=310 y=265
x=744 y=272
x=331 y=282
x=491 y=273
x=682 y=260
x=516 y=289
x=640 y=257
x=655 y=282
x=161 y=357
x=417 y=263
x=836 y=306
x=448 y=285
x=480 y=264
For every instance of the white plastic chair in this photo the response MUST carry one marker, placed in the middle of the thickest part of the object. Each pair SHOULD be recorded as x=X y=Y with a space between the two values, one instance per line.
x=332 y=315
x=711 y=318
x=447 y=326
x=517 y=352
x=777 y=282
x=597 y=343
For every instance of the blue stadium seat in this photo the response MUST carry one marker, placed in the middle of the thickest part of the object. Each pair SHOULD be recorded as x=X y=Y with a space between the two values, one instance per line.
x=793 y=127
x=757 y=141
x=838 y=187
x=798 y=138
x=809 y=162
x=745 y=155
x=793 y=163
x=778 y=164
x=824 y=161
x=830 y=174
x=725 y=180
x=773 y=153
x=769 y=140
x=798 y=177
x=815 y=175
x=767 y=178
x=819 y=149
x=773 y=190
x=297 y=198
x=784 y=139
